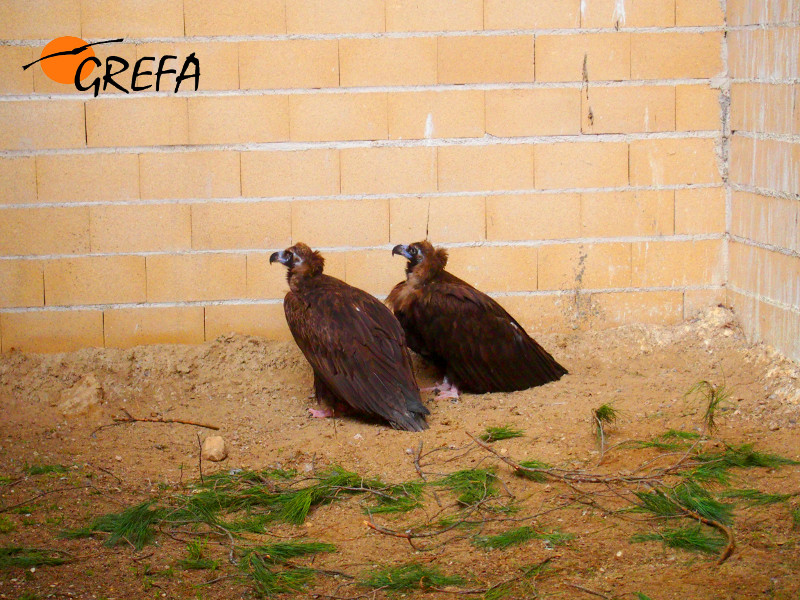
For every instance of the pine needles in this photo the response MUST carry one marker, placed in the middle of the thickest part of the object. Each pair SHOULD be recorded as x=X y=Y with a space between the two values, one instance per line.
x=504 y=432
x=26 y=558
x=520 y=535
x=408 y=577
x=471 y=485
x=714 y=396
x=695 y=539
x=133 y=525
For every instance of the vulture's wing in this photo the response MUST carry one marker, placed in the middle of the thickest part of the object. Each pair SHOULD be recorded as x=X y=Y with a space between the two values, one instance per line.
x=357 y=347
x=484 y=347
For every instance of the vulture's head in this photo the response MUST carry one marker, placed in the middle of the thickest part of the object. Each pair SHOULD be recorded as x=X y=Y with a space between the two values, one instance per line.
x=422 y=257
x=300 y=260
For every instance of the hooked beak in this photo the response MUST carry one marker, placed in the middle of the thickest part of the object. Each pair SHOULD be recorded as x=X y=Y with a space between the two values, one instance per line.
x=281 y=257
x=402 y=251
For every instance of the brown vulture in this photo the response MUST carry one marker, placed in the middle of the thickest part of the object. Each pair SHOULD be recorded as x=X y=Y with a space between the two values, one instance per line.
x=355 y=345
x=462 y=331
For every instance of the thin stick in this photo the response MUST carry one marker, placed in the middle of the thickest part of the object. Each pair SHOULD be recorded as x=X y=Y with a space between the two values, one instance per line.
x=200 y=458
x=128 y=418
x=37 y=496
x=587 y=590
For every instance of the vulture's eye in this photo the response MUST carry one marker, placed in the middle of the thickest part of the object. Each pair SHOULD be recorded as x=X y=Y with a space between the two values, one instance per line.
x=412 y=251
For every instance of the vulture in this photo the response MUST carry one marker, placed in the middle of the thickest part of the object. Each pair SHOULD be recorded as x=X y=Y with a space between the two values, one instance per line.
x=355 y=345
x=471 y=338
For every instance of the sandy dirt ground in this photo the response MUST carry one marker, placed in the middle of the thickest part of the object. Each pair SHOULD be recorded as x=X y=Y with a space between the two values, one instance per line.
x=257 y=393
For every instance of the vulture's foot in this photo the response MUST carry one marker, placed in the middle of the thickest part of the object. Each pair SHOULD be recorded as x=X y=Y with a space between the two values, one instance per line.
x=324 y=413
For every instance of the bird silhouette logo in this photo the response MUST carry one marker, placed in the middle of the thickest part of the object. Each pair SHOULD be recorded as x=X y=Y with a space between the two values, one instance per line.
x=62 y=57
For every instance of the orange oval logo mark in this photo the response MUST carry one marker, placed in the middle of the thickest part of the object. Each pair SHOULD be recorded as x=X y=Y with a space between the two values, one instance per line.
x=62 y=68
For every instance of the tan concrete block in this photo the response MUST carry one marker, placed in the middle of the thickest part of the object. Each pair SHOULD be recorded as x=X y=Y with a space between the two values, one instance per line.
x=538 y=314
x=39 y=19
x=374 y=271
x=335 y=117
x=140 y=228
x=650 y=308
x=41 y=124
x=21 y=283
x=767 y=108
x=111 y=18
x=238 y=119
x=446 y=114
x=628 y=109
x=219 y=226
x=746 y=12
x=762 y=53
x=698 y=13
x=583 y=164
x=434 y=15
x=496 y=268
x=496 y=167
x=744 y=263
x=268 y=281
x=128 y=327
x=264 y=320
x=541 y=111
x=87 y=177
x=765 y=219
x=52 y=331
x=669 y=264
x=442 y=219
x=94 y=280
x=523 y=14
x=696 y=301
x=796 y=119
x=607 y=57
x=456 y=219
x=289 y=64
x=13 y=80
x=584 y=266
x=388 y=170
x=697 y=108
x=387 y=61
x=766 y=163
x=219 y=65
x=42 y=84
x=327 y=223
x=676 y=55
x=631 y=13
x=196 y=277
x=17 y=180
x=673 y=161
x=700 y=210
x=623 y=214
x=335 y=16
x=234 y=17
x=485 y=59
x=533 y=217
x=30 y=231
x=408 y=219
x=296 y=173
x=155 y=121
x=190 y=174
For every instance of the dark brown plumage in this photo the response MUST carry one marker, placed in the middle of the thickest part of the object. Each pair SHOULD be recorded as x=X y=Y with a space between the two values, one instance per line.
x=469 y=336
x=355 y=345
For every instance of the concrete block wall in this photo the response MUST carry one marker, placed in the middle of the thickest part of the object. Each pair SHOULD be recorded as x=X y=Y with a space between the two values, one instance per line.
x=569 y=153
x=764 y=281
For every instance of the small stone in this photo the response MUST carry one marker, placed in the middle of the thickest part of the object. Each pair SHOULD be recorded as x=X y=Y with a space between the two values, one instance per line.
x=214 y=449
x=774 y=427
x=83 y=399
x=118 y=458
x=619 y=554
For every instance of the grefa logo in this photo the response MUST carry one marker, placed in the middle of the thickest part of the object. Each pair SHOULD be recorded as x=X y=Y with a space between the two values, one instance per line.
x=70 y=59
